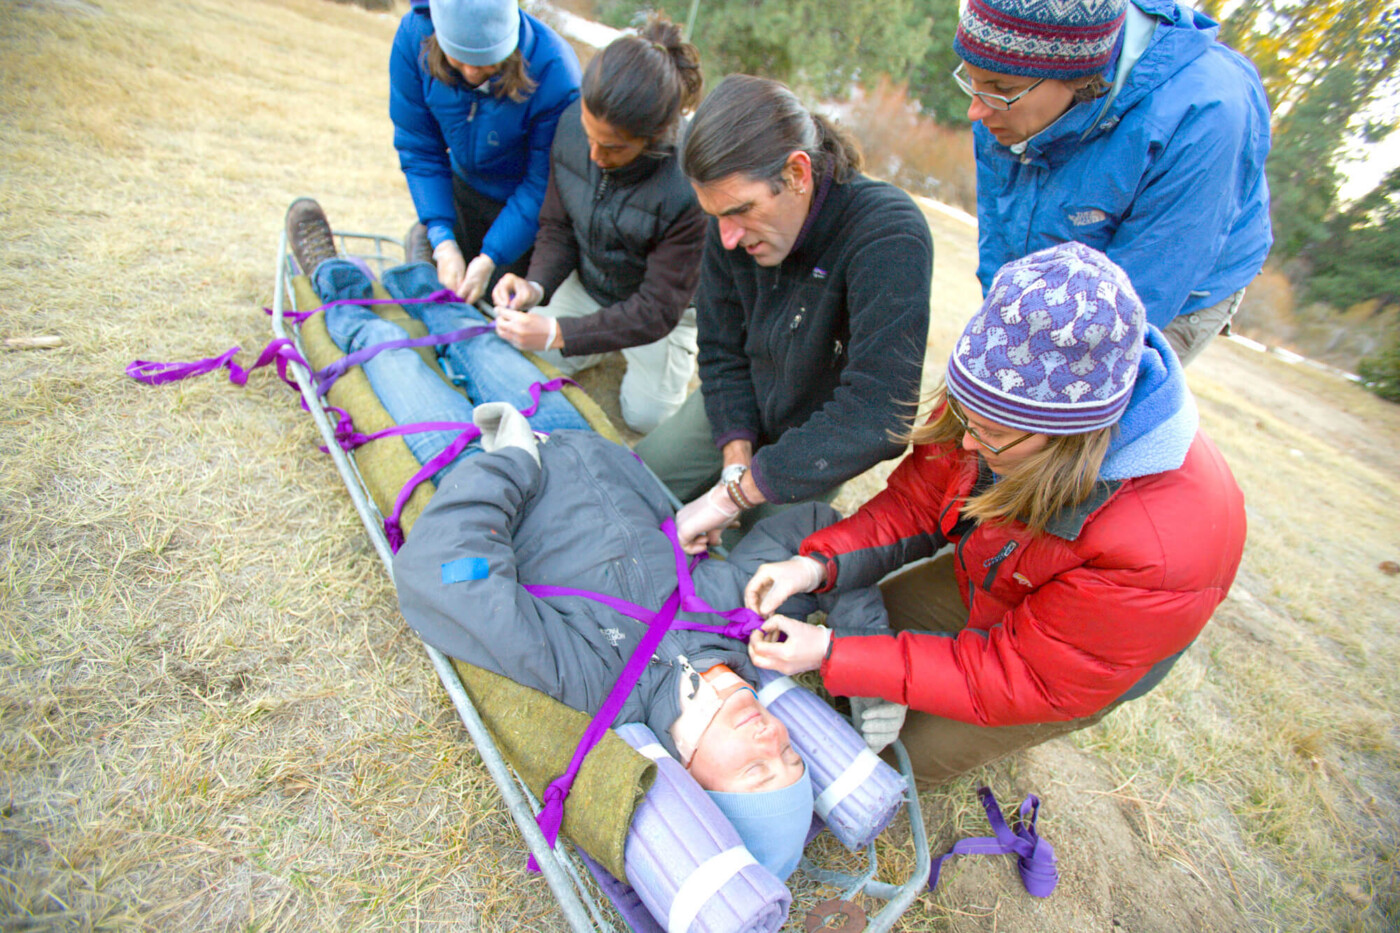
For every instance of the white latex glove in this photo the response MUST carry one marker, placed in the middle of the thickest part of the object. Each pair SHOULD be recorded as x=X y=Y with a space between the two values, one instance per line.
x=699 y=522
x=516 y=293
x=473 y=284
x=526 y=331
x=878 y=720
x=451 y=266
x=772 y=584
x=804 y=649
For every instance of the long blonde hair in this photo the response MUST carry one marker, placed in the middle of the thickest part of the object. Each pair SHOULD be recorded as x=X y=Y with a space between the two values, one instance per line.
x=515 y=81
x=1061 y=475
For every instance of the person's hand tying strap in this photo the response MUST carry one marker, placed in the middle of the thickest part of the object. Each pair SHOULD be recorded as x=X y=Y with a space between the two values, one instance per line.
x=773 y=584
x=698 y=523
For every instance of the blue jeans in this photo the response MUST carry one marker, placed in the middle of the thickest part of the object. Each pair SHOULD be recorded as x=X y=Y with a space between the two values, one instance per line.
x=486 y=367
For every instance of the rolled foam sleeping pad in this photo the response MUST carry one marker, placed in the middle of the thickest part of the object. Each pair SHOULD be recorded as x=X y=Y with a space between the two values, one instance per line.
x=857 y=794
x=687 y=863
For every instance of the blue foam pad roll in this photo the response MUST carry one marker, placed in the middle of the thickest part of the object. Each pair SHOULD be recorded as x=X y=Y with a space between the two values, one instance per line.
x=687 y=863
x=857 y=793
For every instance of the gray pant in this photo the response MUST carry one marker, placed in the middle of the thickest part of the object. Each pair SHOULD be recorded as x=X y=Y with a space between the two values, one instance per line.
x=1189 y=333
x=925 y=598
x=682 y=452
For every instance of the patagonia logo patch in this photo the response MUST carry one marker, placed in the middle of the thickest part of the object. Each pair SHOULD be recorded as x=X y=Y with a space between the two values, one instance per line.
x=1001 y=555
x=1084 y=218
x=464 y=570
x=818 y=273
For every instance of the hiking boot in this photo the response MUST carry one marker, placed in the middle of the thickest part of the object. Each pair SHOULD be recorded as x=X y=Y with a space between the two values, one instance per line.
x=309 y=234
x=416 y=247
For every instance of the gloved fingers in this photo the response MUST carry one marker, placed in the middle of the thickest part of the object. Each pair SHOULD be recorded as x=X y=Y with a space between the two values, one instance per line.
x=473 y=284
x=757 y=587
x=451 y=266
x=506 y=290
x=802 y=650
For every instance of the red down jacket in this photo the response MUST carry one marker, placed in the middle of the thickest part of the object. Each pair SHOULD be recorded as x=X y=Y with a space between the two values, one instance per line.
x=1060 y=625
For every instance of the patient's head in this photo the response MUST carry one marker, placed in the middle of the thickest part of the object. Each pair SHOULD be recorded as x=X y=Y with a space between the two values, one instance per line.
x=751 y=771
x=745 y=748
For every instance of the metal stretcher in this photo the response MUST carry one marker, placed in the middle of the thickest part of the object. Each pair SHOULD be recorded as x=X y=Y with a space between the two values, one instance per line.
x=563 y=867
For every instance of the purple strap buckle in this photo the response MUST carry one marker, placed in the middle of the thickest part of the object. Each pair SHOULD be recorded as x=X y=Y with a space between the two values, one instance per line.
x=1035 y=857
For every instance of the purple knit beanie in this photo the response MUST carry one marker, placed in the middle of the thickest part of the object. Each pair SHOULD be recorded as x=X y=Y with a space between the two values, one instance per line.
x=1062 y=39
x=1055 y=348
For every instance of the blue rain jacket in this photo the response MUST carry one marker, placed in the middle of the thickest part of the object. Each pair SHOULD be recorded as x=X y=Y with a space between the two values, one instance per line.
x=1167 y=178
x=498 y=146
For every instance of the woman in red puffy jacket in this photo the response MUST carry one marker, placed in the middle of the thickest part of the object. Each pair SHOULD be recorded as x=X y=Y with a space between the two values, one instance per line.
x=1094 y=529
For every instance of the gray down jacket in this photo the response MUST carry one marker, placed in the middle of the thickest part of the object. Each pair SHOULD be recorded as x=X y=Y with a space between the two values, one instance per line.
x=586 y=516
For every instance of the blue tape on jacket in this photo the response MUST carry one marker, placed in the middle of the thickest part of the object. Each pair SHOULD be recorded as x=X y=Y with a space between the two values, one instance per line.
x=464 y=569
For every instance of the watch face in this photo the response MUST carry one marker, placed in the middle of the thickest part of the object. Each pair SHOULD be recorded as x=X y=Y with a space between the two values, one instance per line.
x=732 y=472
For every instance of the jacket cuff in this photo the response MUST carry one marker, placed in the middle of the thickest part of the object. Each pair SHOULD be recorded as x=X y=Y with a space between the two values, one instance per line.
x=739 y=434
x=758 y=481
x=437 y=233
x=829 y=571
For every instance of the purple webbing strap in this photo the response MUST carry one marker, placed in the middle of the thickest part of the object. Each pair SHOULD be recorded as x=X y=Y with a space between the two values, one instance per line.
x=441 y=296
x=349 y=438
x=742 y=620
x=1035 y=856
x=154 y=373
x=284 y=351
x=393 y=528
x=325 y=378
x=551 y=816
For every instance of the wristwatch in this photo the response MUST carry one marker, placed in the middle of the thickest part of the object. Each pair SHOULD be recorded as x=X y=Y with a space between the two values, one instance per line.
x=732 y=472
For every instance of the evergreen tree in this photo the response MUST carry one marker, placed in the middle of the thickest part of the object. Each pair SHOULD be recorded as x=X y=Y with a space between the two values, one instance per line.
x=817 y=45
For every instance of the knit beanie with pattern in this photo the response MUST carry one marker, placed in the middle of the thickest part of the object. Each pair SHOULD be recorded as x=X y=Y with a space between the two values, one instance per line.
x=1055 y=347
x=1063 y=39
x=476 y=32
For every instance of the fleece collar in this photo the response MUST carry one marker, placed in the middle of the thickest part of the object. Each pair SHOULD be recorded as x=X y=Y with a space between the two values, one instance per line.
x=1153 y=435
x=1161 y=420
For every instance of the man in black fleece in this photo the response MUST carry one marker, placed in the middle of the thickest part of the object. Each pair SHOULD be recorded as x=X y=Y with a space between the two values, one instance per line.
x=812 y=309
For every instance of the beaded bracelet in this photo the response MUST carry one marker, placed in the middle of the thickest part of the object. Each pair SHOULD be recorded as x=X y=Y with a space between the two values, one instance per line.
x=736 y=494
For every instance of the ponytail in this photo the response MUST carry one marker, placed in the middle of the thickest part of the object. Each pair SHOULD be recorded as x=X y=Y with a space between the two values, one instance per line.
x=641 y=84
x=753 y=125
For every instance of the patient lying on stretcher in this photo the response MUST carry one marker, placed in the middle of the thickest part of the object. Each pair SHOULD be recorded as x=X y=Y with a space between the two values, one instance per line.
x=580 y=511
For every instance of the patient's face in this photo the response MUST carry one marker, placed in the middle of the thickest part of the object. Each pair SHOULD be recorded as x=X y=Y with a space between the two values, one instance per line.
x=745 y=748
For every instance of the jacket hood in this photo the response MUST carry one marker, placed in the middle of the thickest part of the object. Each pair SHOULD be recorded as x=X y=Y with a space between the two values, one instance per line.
x=1178 y=37
x=1161 y=420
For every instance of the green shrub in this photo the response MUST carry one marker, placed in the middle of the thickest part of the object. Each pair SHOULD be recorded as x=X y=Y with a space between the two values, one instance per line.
x=1381 y=373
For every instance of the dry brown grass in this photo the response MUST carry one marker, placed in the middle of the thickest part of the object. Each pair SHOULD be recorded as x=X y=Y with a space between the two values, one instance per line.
x=211 y=715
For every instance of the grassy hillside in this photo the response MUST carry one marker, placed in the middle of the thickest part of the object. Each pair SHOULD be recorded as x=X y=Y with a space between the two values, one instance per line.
x=211 y=714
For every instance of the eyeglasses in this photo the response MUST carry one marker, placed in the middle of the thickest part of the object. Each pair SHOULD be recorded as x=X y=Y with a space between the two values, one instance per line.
x=961 y=415
x=995 y=101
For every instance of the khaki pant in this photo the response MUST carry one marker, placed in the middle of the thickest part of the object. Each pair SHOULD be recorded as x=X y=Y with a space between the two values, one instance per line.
x=657 y=373
x=924 y=597
x=1189 y=333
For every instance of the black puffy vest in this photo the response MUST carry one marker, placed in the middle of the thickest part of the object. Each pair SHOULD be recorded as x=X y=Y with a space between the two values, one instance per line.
x=618 y=216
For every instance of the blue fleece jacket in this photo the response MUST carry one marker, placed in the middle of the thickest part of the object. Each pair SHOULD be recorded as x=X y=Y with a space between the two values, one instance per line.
x=1166 y=176
x=498 y=146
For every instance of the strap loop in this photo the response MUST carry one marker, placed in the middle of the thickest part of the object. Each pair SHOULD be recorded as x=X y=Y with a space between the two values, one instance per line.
x=1035 y=856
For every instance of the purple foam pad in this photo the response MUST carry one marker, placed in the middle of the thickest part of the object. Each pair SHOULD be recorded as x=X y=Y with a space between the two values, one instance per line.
x=857 y=793
x=687 y=863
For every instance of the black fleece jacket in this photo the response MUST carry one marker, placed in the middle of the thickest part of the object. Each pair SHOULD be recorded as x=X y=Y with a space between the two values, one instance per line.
x=816 y=360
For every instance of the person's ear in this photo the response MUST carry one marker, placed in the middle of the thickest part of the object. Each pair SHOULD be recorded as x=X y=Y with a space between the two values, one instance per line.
x=797 y=173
